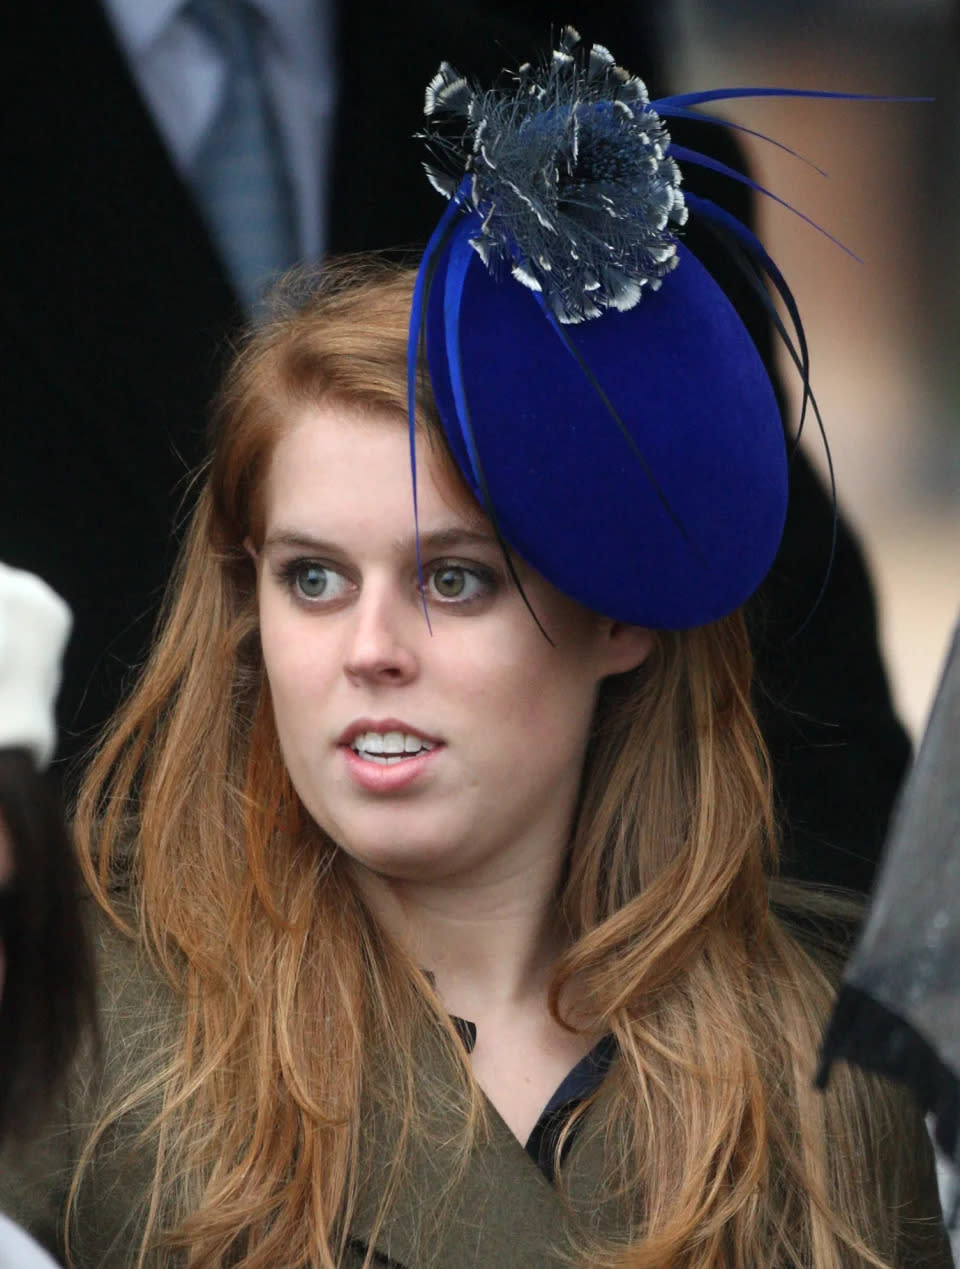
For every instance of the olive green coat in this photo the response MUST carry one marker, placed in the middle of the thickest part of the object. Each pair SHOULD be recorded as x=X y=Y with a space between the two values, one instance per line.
x=504 y=1214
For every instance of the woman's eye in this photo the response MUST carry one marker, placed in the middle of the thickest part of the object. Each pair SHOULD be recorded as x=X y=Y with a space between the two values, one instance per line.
x=311 y=582
x=455 y=583
x=450 y=582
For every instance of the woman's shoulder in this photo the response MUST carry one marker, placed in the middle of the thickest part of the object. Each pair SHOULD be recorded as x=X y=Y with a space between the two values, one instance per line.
x=132 y=997
x=905 y=1162
x=877 y=1123
x=133 y=1016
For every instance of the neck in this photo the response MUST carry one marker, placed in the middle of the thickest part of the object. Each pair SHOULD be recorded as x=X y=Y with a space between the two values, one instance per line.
x=490 y=946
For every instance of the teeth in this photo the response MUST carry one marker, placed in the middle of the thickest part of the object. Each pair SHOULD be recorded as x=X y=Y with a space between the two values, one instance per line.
x=387 y=747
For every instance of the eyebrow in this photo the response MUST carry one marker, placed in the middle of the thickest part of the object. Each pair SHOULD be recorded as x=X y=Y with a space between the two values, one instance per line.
x=434 y=540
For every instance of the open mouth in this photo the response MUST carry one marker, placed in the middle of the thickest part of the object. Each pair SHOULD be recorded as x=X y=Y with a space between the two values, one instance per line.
x=389 y=748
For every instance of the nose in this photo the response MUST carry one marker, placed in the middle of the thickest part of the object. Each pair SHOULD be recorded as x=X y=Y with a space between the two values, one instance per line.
x=381 y=646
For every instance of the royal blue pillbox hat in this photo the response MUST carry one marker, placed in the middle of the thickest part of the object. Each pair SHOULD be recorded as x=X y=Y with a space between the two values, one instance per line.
x=676 y=540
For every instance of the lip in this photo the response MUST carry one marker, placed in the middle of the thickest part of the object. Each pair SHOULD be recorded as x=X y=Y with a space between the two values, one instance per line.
x=395 y=777
x=382 y=725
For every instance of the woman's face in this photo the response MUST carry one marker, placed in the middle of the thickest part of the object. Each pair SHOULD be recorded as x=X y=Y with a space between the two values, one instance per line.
x=427 y=754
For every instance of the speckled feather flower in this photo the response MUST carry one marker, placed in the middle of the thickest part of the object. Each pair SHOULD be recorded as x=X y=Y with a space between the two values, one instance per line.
x=569 y=170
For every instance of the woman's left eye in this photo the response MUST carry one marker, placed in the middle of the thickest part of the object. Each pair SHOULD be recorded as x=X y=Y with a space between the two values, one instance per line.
x=456 y=583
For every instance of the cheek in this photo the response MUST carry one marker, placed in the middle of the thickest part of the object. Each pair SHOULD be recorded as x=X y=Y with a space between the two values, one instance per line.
x=296 y=665
x=538 y=701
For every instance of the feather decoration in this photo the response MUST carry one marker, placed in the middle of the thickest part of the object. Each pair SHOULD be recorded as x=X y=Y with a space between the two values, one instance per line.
x=569 y=172
x=416 y=362
x=572 y=173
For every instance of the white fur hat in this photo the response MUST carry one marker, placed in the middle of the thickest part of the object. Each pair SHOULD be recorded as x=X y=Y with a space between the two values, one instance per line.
x=34 y=627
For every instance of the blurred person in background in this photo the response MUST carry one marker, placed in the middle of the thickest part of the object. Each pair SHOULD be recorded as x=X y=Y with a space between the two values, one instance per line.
x=46 y=984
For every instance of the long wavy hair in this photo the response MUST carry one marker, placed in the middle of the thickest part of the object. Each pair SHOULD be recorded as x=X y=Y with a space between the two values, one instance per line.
x=293 y=1008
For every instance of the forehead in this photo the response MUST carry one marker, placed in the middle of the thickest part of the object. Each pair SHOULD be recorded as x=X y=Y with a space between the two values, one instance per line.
x=335 y=461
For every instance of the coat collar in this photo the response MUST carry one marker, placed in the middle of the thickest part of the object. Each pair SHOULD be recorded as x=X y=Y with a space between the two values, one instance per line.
x=501 y=1214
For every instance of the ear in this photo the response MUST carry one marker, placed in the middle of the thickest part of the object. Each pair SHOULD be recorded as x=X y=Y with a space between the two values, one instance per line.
x=625 y=647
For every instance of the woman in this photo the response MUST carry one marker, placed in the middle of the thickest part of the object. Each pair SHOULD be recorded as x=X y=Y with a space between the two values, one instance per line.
x=324 y=908
x=440 y=889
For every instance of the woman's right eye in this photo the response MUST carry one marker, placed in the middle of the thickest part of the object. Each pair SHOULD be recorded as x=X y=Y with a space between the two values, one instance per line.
x=311 y=580
x=311 y=583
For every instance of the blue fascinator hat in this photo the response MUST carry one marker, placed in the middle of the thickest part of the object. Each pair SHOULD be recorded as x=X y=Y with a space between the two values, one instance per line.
x=600 y=394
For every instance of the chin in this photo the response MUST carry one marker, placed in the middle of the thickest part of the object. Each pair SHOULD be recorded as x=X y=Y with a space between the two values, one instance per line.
x=415 y=865
x=398 y=855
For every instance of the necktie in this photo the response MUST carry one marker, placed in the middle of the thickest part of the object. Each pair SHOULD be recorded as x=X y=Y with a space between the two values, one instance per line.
x=238 y=174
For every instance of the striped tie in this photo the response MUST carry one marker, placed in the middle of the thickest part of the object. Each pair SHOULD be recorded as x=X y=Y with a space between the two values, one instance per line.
x=238 y=174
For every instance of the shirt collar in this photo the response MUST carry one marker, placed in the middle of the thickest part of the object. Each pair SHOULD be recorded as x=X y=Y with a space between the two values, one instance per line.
x=301 y=29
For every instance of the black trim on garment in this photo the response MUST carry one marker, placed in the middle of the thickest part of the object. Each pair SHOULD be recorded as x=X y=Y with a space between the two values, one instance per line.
x=576 y=1086
x=876 y=1038
x=585 y=1078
